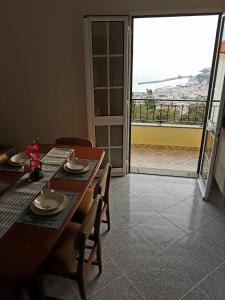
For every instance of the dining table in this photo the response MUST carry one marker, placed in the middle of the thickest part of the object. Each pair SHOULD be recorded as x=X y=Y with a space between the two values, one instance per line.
x=25 y=247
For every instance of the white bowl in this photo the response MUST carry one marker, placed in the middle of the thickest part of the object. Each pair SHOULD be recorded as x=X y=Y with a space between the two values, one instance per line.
x=50 y=200
x=77 y=165
x=19 y=159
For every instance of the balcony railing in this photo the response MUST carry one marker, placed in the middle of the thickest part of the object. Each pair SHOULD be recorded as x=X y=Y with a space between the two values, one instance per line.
x=160 y=111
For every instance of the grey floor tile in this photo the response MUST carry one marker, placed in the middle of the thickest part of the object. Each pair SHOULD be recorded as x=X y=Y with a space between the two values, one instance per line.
x=159 y=280
x=119 y=289
x=212 y=236
x=161 y=200
x=214 y=207
x=59 y=287
x=127 y=248
x=185 y=216
x=213 y=286
x=181 y=187
x=195 y=294
x=94 y=281
x=159 y=232
x=131 y=213
x=191 y=258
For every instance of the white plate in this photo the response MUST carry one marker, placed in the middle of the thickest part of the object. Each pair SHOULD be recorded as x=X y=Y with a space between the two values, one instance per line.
x=49 y=200
x=77 y=165
x=19 y=158
x=74 y=171
x=44 y=212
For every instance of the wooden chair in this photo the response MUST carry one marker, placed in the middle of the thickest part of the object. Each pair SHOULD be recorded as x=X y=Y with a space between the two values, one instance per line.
x=74 y=141
x=101 y=188
x=72 y=245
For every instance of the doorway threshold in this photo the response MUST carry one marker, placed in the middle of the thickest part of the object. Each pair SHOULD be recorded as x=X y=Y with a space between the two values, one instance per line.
x=164 y=172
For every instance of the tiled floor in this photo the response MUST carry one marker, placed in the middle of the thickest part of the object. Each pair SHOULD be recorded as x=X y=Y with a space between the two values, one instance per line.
x=165 y=243
x=152 y=158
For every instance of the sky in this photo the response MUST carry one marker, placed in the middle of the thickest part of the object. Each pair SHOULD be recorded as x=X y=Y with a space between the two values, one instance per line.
x=166 y=47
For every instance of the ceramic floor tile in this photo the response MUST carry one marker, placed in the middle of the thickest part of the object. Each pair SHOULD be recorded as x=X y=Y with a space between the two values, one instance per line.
x=213 y=286
x=212 y=236
x=131 y=213
x=191 y=258
x=59 y=287
x=119 y=289
x=164 y=157
x=159 y=280
x=195 y=294
x=185 y=216
x=94 y=281
x=127 y=248
x=159 y=232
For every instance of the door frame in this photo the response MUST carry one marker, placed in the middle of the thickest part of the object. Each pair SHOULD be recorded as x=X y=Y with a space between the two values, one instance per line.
x=114 y=120
x=142 y=15
x=206 y=189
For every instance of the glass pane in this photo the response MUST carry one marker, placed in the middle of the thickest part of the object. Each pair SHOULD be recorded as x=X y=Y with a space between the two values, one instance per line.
x=101 y=134
x=207 y=156
x=217 y=92
x=116 y=135
x=116 y=102
x=100 y=71
x=116 y=71
x=99 y=38
x=117 y=158
x=101 y=102
x=115 y=37
x=105 y=159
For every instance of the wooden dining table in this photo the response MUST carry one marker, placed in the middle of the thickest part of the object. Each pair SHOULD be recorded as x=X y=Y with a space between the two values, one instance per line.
x=24 y=248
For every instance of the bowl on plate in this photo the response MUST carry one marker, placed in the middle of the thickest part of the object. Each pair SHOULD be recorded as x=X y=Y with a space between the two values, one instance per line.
x=48 y=203
x=76 y=165
x=20 y=159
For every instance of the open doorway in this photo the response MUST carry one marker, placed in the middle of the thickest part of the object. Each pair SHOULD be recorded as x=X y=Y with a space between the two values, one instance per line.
x=171 y=70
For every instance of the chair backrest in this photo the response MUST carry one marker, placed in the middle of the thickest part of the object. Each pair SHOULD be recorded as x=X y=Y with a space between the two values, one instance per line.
x=92 y=217
x=102 y=186
x=74 y=141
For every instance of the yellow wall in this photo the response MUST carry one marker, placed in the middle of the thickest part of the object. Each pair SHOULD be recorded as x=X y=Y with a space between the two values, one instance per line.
x=174 y=136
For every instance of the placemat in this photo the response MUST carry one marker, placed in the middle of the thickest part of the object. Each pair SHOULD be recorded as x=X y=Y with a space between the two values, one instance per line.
x=6 y=166
x=53 y=221
x=19 y=196
x=62 y=174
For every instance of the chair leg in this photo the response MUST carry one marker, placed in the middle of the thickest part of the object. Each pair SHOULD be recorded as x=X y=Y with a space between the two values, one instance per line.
x=80 y=281
x=99 y=255
x=108 y=216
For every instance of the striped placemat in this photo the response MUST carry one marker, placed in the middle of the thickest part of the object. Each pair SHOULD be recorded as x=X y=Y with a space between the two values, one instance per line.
x=16 y=199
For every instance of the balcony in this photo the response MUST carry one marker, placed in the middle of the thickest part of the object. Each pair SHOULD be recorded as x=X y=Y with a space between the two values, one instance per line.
x=166 y=135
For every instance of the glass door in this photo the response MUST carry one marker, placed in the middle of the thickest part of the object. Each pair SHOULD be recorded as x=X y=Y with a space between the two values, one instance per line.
x=214 y=119
x=107 y=86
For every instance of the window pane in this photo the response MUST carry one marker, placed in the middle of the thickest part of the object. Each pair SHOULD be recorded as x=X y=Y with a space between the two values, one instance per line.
x=117 y=158
x=116 y=135
x=116 y=71
x=99 y=38
x=116 y=102
x=101 y=102
x=101 y=134
x=100 y=71
x=116 y=37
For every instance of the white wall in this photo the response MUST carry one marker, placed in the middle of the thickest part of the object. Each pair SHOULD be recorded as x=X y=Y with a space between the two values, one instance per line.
x=42 y=80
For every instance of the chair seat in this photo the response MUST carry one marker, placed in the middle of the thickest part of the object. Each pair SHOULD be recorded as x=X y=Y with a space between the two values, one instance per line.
x=63 y=255
x=84 y=206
